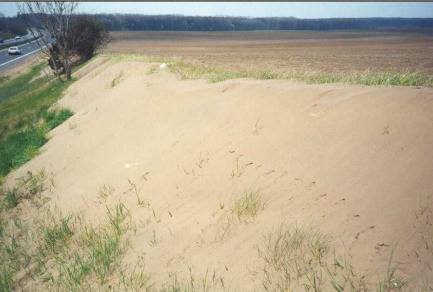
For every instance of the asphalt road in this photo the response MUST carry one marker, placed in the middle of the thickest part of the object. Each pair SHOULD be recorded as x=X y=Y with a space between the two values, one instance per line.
x=27 y=50
x=12 y=41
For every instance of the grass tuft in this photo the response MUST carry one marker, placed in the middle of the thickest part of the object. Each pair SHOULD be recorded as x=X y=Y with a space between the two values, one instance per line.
x=116 y=80
x=98 y=254
x=104 y=192
x=194 y=283
x=29 y=187
x=301 y=259
x=56 y=233
x=248 y=206
x=56 y=117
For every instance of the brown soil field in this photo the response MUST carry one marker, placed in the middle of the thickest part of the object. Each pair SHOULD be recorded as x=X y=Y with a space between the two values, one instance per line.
x=247 y=185
x=330 y=52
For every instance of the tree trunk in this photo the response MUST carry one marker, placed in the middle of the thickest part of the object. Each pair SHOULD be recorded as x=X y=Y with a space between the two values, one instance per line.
x=55 y=69
x=68 y=70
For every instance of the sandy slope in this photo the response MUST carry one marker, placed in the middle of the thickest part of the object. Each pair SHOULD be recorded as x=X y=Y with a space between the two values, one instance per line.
x=354 y=161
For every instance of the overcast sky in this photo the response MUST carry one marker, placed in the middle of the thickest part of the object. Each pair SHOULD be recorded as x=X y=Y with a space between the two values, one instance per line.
x=255 y=9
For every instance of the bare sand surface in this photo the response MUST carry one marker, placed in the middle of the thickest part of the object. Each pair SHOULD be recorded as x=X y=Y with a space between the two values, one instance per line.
x=355 y=162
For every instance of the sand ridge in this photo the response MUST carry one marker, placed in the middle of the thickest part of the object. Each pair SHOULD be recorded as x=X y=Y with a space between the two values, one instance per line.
x=355 y=161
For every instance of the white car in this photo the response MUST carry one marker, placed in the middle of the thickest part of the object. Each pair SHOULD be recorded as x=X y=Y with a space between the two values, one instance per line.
x=17 y=37
x=14 y=51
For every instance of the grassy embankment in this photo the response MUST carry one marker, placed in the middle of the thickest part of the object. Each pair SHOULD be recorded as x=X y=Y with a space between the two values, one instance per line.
x=24 y=116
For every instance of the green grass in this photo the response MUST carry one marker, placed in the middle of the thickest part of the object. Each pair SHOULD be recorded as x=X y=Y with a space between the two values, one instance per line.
x=11 y=198
x=56 y=233
x=3 y=79
x=24 y=116
x=96 y=255
x=56 y=117
x=24 y=99
x=20 y=147
x=21 y=83
x=56 y=252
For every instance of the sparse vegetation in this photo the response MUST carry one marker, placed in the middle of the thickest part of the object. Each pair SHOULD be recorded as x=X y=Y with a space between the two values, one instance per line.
x=65 y=251
x=134 y=188
x=248 y=206
x=29 y=187
x=194 y=71
x=105 y=191
x=244 y=209
x=300 y=258
x=194 y=283
x=116 y=80
x=391 y=282
x=152 y=69
x=135 y=279
x=55 y=233
x=154 y=241
x=56 y=252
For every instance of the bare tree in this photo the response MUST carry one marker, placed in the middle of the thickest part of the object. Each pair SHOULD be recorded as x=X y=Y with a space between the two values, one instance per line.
x=54 y=19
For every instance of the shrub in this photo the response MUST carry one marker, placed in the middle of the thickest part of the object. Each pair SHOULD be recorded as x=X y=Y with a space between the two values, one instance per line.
x=87 y=35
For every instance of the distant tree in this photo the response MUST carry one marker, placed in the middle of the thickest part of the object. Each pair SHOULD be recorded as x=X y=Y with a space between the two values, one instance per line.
x=15 y=26
x=87 y=35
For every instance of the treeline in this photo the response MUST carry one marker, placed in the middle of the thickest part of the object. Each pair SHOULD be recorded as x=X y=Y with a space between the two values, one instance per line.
x=115 y=22
x=11 y=26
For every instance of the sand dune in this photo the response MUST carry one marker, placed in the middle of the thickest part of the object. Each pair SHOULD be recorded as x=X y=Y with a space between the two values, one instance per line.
x=355 y=162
